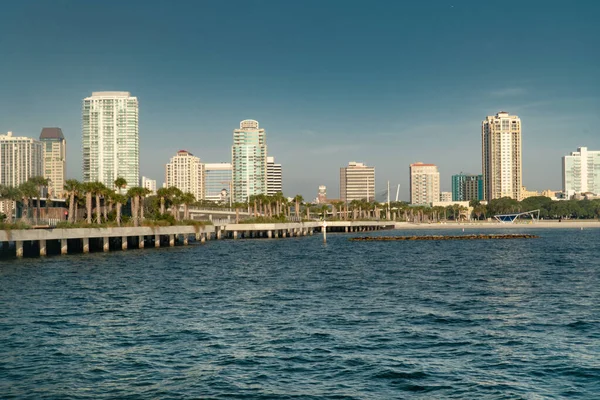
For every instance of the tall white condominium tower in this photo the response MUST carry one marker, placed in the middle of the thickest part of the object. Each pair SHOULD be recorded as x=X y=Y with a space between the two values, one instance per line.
x=149 y=184
x=54 y=148
x=424 y=183
x=249 y=160
x=581 y=172
x=217 y=182
x=274 y=177
x=20 y=159
x=111 y=138
x=357 y=182
x=501 y=156
x=186 y=172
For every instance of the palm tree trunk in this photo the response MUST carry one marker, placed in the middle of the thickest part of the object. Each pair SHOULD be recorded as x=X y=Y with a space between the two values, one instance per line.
x=71 y=207
x=237 y=215
x=162 y=205
x=141 y=206
x=98 y=210
x=88 y=204
x=136 y=220
x=118 y=214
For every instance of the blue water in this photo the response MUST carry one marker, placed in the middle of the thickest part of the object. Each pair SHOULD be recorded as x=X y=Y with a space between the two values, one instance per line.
x=292 y=318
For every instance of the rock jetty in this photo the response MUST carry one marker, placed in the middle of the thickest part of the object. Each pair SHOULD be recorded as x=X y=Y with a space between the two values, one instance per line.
x=443 y=237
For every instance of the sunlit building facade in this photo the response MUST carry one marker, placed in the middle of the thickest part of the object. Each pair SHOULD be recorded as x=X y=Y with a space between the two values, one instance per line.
x=111 y=138
x=501 y=156
x=581 y=172
x=274 y=177
x=467 y=187
x=424 y=183
x=20 y=159
x=54 y=148
x=249 y=161
x=186 y=173
x=357 y=182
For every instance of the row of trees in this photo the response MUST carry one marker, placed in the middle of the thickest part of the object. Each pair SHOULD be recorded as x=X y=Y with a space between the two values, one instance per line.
x=100 y=203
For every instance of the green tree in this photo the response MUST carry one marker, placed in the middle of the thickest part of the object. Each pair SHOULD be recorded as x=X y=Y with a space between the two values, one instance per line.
x=298 y=199
x=10 y=195
x=40 y=182
x=28 y=191
x=119 y=199
x=187 y=199
x=163 y=194
x=72 y=188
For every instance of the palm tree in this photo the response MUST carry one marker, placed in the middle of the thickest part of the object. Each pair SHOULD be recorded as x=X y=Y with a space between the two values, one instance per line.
x=135 y=193
x=98 y=189
x=72 y=187
x=119 y=199
x=120 y=184
x=10 y=195
x=175 y=195
x=163 y=194
x=39 y=182
x=187 y=199
x=143 y=193
x=298 y=199
x=28 y=191
x=88 y=189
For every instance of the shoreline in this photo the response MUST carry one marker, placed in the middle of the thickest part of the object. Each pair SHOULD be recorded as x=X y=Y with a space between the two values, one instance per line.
x=573 y=224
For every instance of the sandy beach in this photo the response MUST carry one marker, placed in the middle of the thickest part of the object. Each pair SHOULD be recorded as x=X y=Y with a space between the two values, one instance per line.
x=572 y=224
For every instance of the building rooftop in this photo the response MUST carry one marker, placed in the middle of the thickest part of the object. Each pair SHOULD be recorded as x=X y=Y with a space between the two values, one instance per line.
x=51 y=133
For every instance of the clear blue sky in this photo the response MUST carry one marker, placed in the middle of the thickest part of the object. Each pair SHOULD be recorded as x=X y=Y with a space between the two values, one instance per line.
x=387 y=83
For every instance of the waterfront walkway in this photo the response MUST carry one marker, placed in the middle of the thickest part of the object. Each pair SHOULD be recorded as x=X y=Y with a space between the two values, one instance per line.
x=42 y=242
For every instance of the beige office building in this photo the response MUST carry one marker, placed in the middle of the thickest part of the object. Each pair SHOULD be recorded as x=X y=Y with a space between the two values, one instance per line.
x=54 y=148
x=186 y=172
x=357 y=182
x=501 y=156
x=424 y=183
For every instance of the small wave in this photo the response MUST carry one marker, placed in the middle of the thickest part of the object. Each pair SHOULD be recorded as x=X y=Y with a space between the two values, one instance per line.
x=389 y=374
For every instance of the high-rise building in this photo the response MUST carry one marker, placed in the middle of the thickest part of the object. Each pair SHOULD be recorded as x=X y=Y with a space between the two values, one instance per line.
x=20 y=159
x=581 y=172
x=357 y=182
x=424 y=183
x=501 y=156
x=467 y=187
x=445 y=197
x=111 y=138
x=54 y=148
x=149 y=184
x=249 y=161
x=217 y=182
x=186 y=173
x=274 y=177
x=322 y=194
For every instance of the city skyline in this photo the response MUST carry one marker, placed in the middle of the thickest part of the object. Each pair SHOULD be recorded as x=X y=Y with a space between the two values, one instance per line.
x=324 y=97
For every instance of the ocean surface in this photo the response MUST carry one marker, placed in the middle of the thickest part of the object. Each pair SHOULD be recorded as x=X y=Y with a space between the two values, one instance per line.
x=293 y=318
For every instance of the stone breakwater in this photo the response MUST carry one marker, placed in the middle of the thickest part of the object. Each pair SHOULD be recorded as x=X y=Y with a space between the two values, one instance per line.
x=442 y=237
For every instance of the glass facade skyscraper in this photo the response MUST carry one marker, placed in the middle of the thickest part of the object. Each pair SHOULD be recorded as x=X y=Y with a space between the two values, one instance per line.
x=467 y=187
x=249 y=161
x=111 y=138
x=217 y=182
